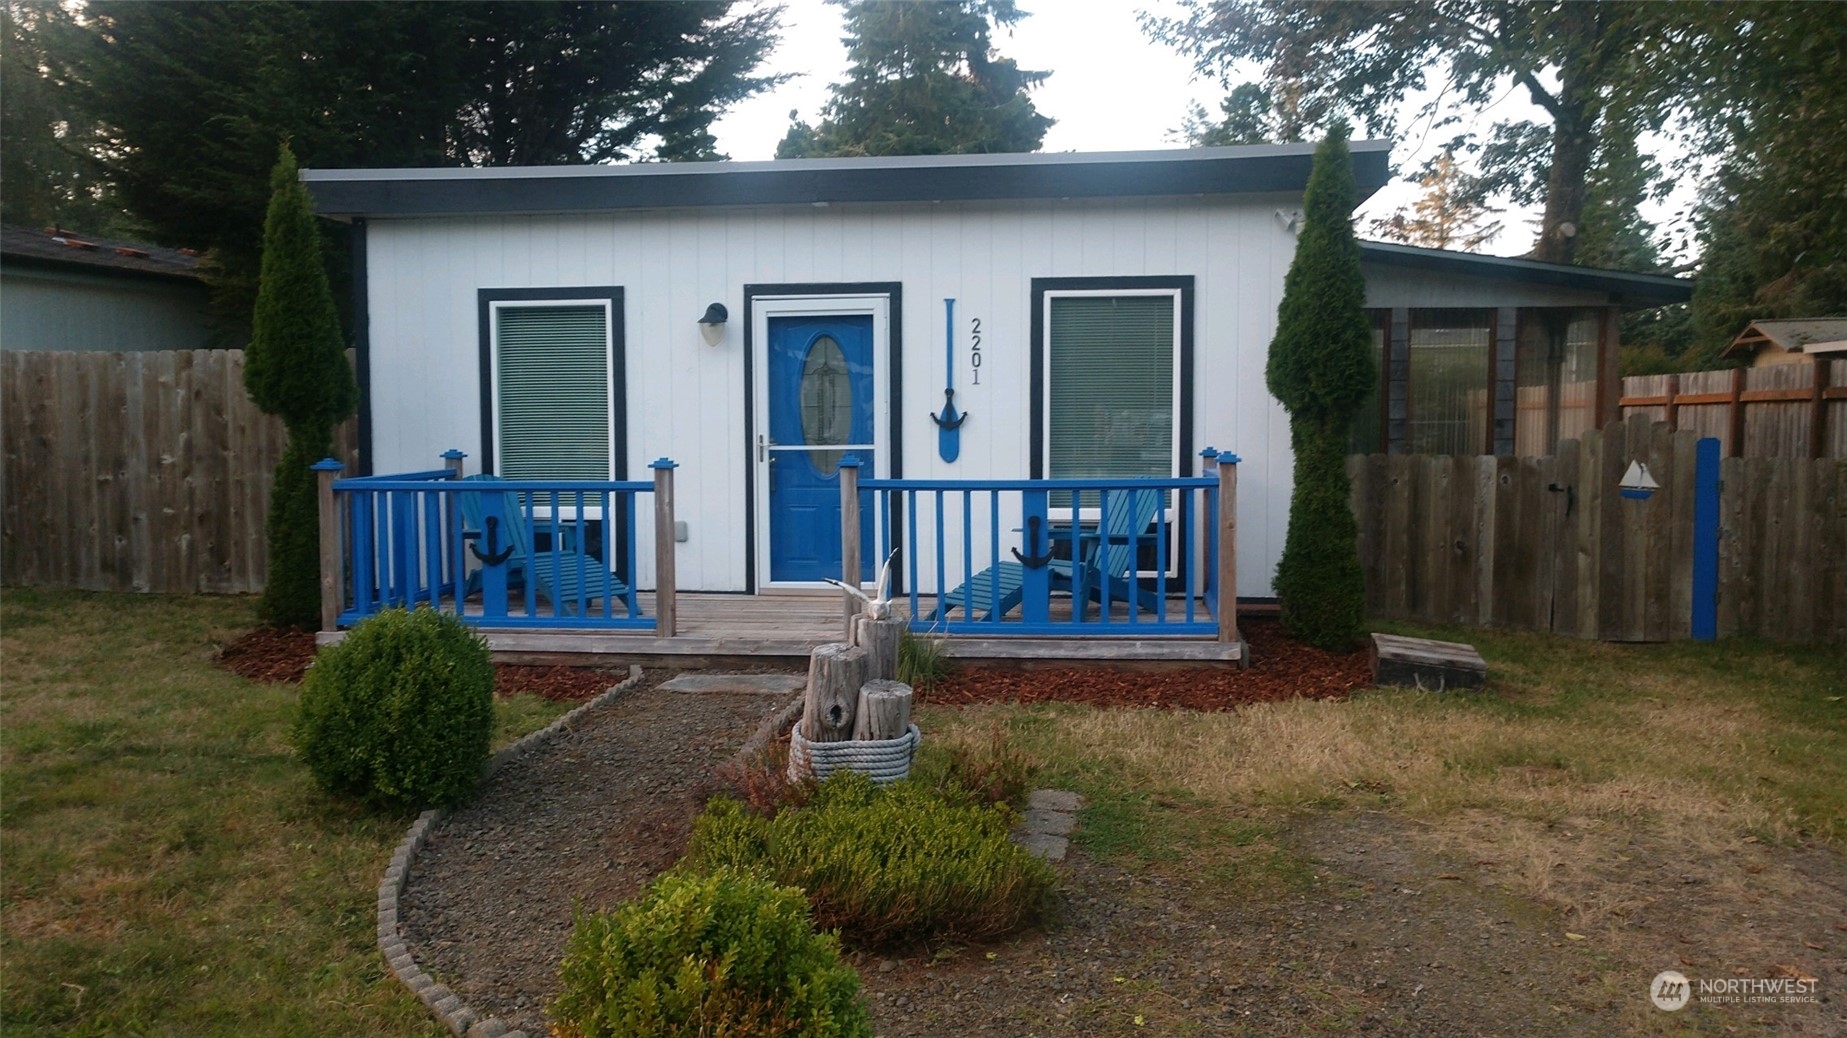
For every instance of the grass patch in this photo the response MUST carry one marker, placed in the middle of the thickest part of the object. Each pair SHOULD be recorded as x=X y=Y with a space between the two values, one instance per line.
x=170 y=868
x=1699 y=744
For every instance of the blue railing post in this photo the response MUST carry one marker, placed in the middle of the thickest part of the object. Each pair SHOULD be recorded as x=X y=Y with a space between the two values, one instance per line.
x=333 y=596
x=1209 y=463
x=491 y=544
x=455 y=564
x=1036 y=584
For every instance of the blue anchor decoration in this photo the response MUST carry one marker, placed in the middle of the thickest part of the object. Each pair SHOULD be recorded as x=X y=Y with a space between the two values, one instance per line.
x=949 y=423
x=1033 y=561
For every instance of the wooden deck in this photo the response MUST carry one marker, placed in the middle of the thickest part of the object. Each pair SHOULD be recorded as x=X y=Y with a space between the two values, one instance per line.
x=789 y=626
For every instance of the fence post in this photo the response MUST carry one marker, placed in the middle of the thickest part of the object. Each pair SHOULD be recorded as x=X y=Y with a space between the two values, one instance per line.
x=666 y=616
x=1818 y=408
x=1673 y=403
x=849 y=539
x=1228 y=549
x=454 y=458
x=333 y=594
x=1736 y=415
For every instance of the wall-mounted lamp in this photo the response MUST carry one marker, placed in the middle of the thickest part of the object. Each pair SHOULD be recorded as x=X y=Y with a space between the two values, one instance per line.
x=712 y=325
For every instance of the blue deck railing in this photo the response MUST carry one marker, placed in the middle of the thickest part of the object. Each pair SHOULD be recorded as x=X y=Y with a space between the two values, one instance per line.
x=1033 y=557
x=417 y=538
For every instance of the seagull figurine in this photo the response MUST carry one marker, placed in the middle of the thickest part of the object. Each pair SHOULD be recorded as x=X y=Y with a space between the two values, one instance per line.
x=878 y=608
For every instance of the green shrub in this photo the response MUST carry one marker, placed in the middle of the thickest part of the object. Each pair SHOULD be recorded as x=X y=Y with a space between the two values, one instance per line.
x=882 y=865
x=725 y=954
x=400 y=713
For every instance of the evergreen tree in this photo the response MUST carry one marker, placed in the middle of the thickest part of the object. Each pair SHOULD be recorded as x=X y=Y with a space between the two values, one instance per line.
x=296 y=369
x=924 y=79
x=1321 y=369
x=192 y=98
x=1250 y=114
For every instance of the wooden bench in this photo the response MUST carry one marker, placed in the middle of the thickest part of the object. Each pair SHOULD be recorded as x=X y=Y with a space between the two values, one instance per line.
x=1429 y=665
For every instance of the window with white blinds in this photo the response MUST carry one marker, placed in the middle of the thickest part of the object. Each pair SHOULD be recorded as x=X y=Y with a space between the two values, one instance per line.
x=1110 y=385
x=552 y=412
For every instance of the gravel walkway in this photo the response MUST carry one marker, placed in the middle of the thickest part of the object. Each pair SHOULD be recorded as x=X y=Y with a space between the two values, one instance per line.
x=585 y=819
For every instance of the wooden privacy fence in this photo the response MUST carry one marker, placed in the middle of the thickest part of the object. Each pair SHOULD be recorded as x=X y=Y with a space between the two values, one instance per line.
x=1549 y=544
x=136 y=471
x=1782 y=411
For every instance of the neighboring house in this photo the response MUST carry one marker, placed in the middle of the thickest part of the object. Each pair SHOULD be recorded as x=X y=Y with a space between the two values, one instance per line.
x=66 y=291
x=1492 y=355
x=1112 y=315
x=1766 y=343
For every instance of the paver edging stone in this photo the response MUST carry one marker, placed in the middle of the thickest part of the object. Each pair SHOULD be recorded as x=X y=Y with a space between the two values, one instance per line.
x=446 y=1005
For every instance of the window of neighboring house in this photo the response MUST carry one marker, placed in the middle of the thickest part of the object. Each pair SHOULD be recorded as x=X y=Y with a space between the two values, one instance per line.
x=1448 y=395
x=554 y=397
x=1555 y=371
x=1111 y=391
x=1368 y=435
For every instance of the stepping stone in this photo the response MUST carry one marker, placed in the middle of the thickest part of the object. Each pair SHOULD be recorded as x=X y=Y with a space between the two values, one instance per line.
x=1051 y=815
x=1051 y=848
x=755 y=684
x=1054 y=800
x=1049 y=823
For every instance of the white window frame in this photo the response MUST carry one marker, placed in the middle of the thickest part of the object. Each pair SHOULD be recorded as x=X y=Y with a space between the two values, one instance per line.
x=762 y=308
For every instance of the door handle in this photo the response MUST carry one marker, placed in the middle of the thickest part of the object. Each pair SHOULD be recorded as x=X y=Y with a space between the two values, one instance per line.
x=763 y=453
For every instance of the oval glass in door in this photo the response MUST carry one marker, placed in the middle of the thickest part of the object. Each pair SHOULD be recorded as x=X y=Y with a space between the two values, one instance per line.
x=827 y=404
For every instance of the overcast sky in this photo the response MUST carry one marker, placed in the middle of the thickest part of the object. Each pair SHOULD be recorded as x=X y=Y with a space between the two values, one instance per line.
x=1111 y=89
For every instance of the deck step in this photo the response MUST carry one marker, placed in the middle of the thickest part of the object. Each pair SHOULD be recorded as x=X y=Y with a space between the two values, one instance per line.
x=1430 y=665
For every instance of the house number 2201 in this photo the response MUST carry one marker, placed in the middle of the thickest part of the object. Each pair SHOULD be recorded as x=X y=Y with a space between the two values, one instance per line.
x=974 y=348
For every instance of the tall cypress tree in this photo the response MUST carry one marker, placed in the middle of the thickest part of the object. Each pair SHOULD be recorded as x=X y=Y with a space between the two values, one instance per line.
x=1321 y=369
x=296 y=369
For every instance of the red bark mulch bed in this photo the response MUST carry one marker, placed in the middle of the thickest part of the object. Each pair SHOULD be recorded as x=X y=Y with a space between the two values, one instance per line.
x=1281 y=669
x=281 y=655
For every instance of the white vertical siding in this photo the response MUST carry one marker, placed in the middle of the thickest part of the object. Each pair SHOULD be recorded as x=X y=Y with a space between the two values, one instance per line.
x=685 y=400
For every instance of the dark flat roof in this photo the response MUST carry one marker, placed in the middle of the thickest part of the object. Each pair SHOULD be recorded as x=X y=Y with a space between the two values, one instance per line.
x=1625 y=287
x=349 y=193
x=53 y=247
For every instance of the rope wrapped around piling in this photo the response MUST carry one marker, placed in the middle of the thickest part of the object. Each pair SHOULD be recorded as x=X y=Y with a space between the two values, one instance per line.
x=881 y=760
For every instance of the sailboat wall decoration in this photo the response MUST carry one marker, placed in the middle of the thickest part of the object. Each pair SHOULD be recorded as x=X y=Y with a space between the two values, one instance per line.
x=949 y=423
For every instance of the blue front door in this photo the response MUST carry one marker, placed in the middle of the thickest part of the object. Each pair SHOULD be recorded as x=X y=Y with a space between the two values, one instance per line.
x=820 y=410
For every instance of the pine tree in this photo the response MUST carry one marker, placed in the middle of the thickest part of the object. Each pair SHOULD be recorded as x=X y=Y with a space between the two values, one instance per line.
x=296 y=369
x=925 y=80
x=1321 y=369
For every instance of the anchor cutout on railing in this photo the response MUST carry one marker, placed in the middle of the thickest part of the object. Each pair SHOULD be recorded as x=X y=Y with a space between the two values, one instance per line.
x=948 y=439
x=493 y=557
x=1032 y=538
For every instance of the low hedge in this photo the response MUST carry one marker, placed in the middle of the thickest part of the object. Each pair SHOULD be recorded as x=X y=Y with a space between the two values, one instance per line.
x=902 y=863
x=722 y=954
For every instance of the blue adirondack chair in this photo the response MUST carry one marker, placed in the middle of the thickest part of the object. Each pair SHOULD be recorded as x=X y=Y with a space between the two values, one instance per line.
x=563 y=572
x=1108 y=561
